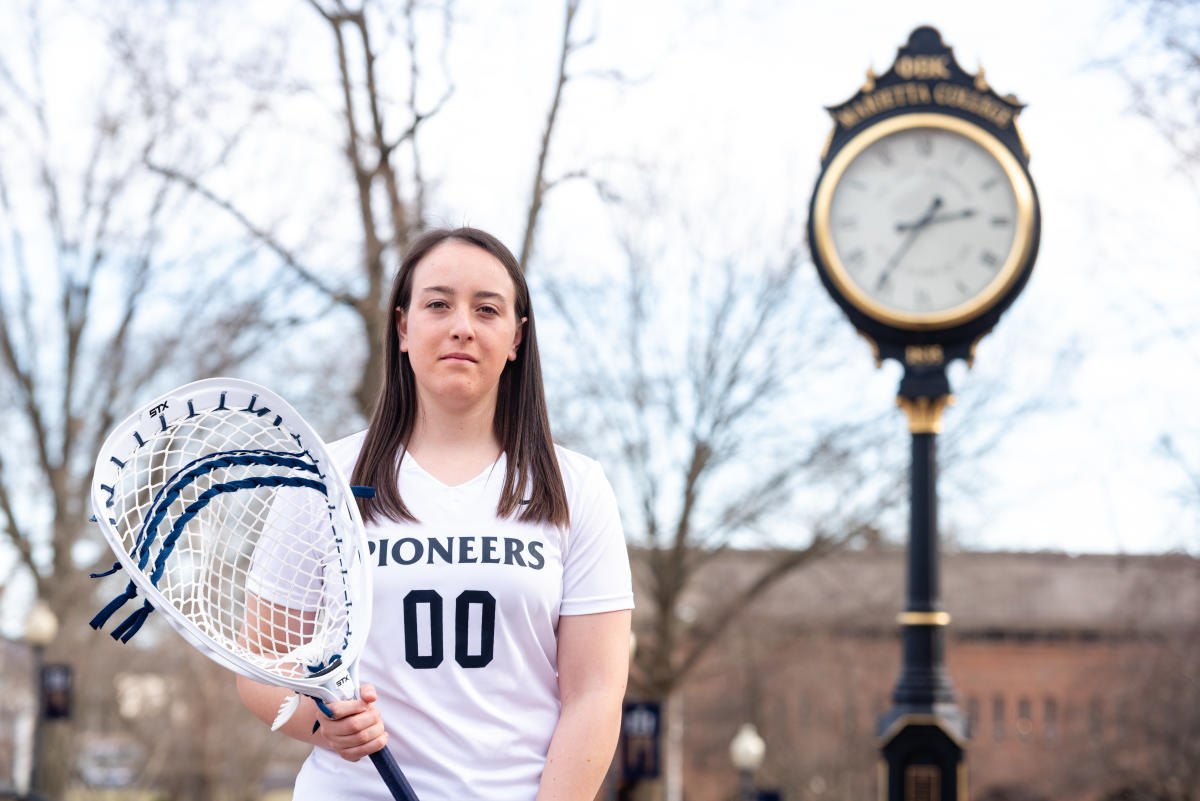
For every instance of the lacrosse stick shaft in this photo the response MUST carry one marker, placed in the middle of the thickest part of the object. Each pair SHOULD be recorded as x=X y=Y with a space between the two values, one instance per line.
x=389 y=771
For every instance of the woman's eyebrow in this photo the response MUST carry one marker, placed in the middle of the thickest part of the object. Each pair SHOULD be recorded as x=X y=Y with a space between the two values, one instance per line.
x=483 y=294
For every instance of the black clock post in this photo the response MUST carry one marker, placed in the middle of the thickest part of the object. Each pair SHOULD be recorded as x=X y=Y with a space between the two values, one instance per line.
x=911 y=240
x=923 y=737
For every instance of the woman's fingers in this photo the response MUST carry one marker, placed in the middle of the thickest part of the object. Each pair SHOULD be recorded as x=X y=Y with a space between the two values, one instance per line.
x=356 y=745
x=356 y=729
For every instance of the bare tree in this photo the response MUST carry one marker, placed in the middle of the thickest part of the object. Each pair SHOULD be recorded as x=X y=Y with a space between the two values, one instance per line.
x=1144 y=738
x=1164 y=74
x=380 y=124
x=145 y=249
x=105 y=298
x=1162 y=714
x=1162 y=71
x=724 y=393
x=127 y=701
x=1189 y=469
x=703 y=384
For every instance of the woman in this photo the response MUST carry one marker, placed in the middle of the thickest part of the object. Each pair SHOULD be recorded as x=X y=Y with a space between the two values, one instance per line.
x=498 y=651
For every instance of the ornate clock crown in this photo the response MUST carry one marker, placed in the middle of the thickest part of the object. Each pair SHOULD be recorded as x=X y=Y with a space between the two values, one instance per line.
x=925 y=89
x=926 y=77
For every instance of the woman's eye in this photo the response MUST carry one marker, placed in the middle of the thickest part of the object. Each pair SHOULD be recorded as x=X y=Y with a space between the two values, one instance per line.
x=489 y=310
x=436 y=304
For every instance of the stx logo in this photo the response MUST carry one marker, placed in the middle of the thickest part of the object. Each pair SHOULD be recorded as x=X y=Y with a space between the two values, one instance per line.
x=159 y=409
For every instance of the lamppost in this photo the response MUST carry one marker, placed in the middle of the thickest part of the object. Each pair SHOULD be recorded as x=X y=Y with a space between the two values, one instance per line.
x=41 y=627
x=746 y=751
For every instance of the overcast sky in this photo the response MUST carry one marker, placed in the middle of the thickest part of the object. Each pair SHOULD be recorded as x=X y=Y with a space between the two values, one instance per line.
x=728 y=102
x=733 y=94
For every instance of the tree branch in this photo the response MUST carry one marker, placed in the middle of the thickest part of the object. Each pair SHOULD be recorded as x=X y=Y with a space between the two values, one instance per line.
x=538 y=193
x=286 y=256
x=732 y=609
x=17 y=538
x=29 y=400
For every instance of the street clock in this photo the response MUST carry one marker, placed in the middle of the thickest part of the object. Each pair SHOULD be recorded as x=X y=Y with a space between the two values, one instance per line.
x=924 y=222
x=924 y=227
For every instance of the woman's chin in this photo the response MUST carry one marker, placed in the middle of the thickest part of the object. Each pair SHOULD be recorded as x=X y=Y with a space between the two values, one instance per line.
x=459 y=394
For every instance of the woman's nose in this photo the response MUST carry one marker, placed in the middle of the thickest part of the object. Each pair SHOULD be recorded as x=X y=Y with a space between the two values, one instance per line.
x=461 y=330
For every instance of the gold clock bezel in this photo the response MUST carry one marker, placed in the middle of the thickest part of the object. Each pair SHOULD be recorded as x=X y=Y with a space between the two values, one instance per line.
x=983 y=300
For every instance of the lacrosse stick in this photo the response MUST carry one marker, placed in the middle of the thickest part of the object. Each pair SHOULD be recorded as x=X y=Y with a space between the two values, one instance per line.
x=227 y=513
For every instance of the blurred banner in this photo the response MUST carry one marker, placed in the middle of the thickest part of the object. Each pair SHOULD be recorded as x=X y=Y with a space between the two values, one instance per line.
x=640 y=727
x=56 y=691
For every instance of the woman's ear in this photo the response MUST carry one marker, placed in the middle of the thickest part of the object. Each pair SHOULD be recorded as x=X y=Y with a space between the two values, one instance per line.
x=512 y=354
x=402 y=328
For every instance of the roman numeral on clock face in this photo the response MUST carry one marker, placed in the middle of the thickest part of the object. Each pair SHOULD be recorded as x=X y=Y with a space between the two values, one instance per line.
x=921 y=221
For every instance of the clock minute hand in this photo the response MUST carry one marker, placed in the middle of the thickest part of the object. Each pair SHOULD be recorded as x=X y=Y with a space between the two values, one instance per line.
x=937 y=218
x=913 y=230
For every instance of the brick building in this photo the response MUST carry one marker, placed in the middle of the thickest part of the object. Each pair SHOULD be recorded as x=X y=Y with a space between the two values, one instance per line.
x=1076 y=674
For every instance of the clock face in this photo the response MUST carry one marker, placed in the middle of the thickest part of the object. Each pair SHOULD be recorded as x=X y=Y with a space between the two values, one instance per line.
x=923 y=220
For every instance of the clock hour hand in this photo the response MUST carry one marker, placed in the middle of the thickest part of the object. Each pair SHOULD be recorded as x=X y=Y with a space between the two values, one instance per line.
x=937 y=218
x=913 y=229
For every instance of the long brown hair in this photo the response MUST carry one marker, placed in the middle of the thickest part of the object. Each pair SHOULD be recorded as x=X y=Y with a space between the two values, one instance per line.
x=531 y=478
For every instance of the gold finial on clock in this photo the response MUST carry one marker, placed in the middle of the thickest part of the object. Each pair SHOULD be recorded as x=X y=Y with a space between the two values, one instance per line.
x=869 y=86
x=980 y=82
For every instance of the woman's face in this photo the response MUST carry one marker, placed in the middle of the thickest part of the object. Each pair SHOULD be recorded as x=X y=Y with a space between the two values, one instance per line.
x=461 y=326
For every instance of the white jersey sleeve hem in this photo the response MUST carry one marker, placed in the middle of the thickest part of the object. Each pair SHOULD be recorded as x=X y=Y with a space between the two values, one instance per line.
x=592 y=606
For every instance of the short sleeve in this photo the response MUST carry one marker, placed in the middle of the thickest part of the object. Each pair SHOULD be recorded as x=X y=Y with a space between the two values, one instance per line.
x=287 y=564
x=596 y=575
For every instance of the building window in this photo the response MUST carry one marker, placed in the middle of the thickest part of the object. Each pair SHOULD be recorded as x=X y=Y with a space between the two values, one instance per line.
x=1050 y=719
x=998 y=717
x=972 y=716
x=1024 y=718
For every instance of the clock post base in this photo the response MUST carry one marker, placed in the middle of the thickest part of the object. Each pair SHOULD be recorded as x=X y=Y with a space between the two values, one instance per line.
x=923 y=757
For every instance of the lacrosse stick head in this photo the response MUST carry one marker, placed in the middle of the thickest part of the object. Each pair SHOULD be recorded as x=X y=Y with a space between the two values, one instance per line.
x=230 y=518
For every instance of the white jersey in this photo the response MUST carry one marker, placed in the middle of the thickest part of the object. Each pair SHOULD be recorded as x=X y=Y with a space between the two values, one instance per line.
x=463 y=647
